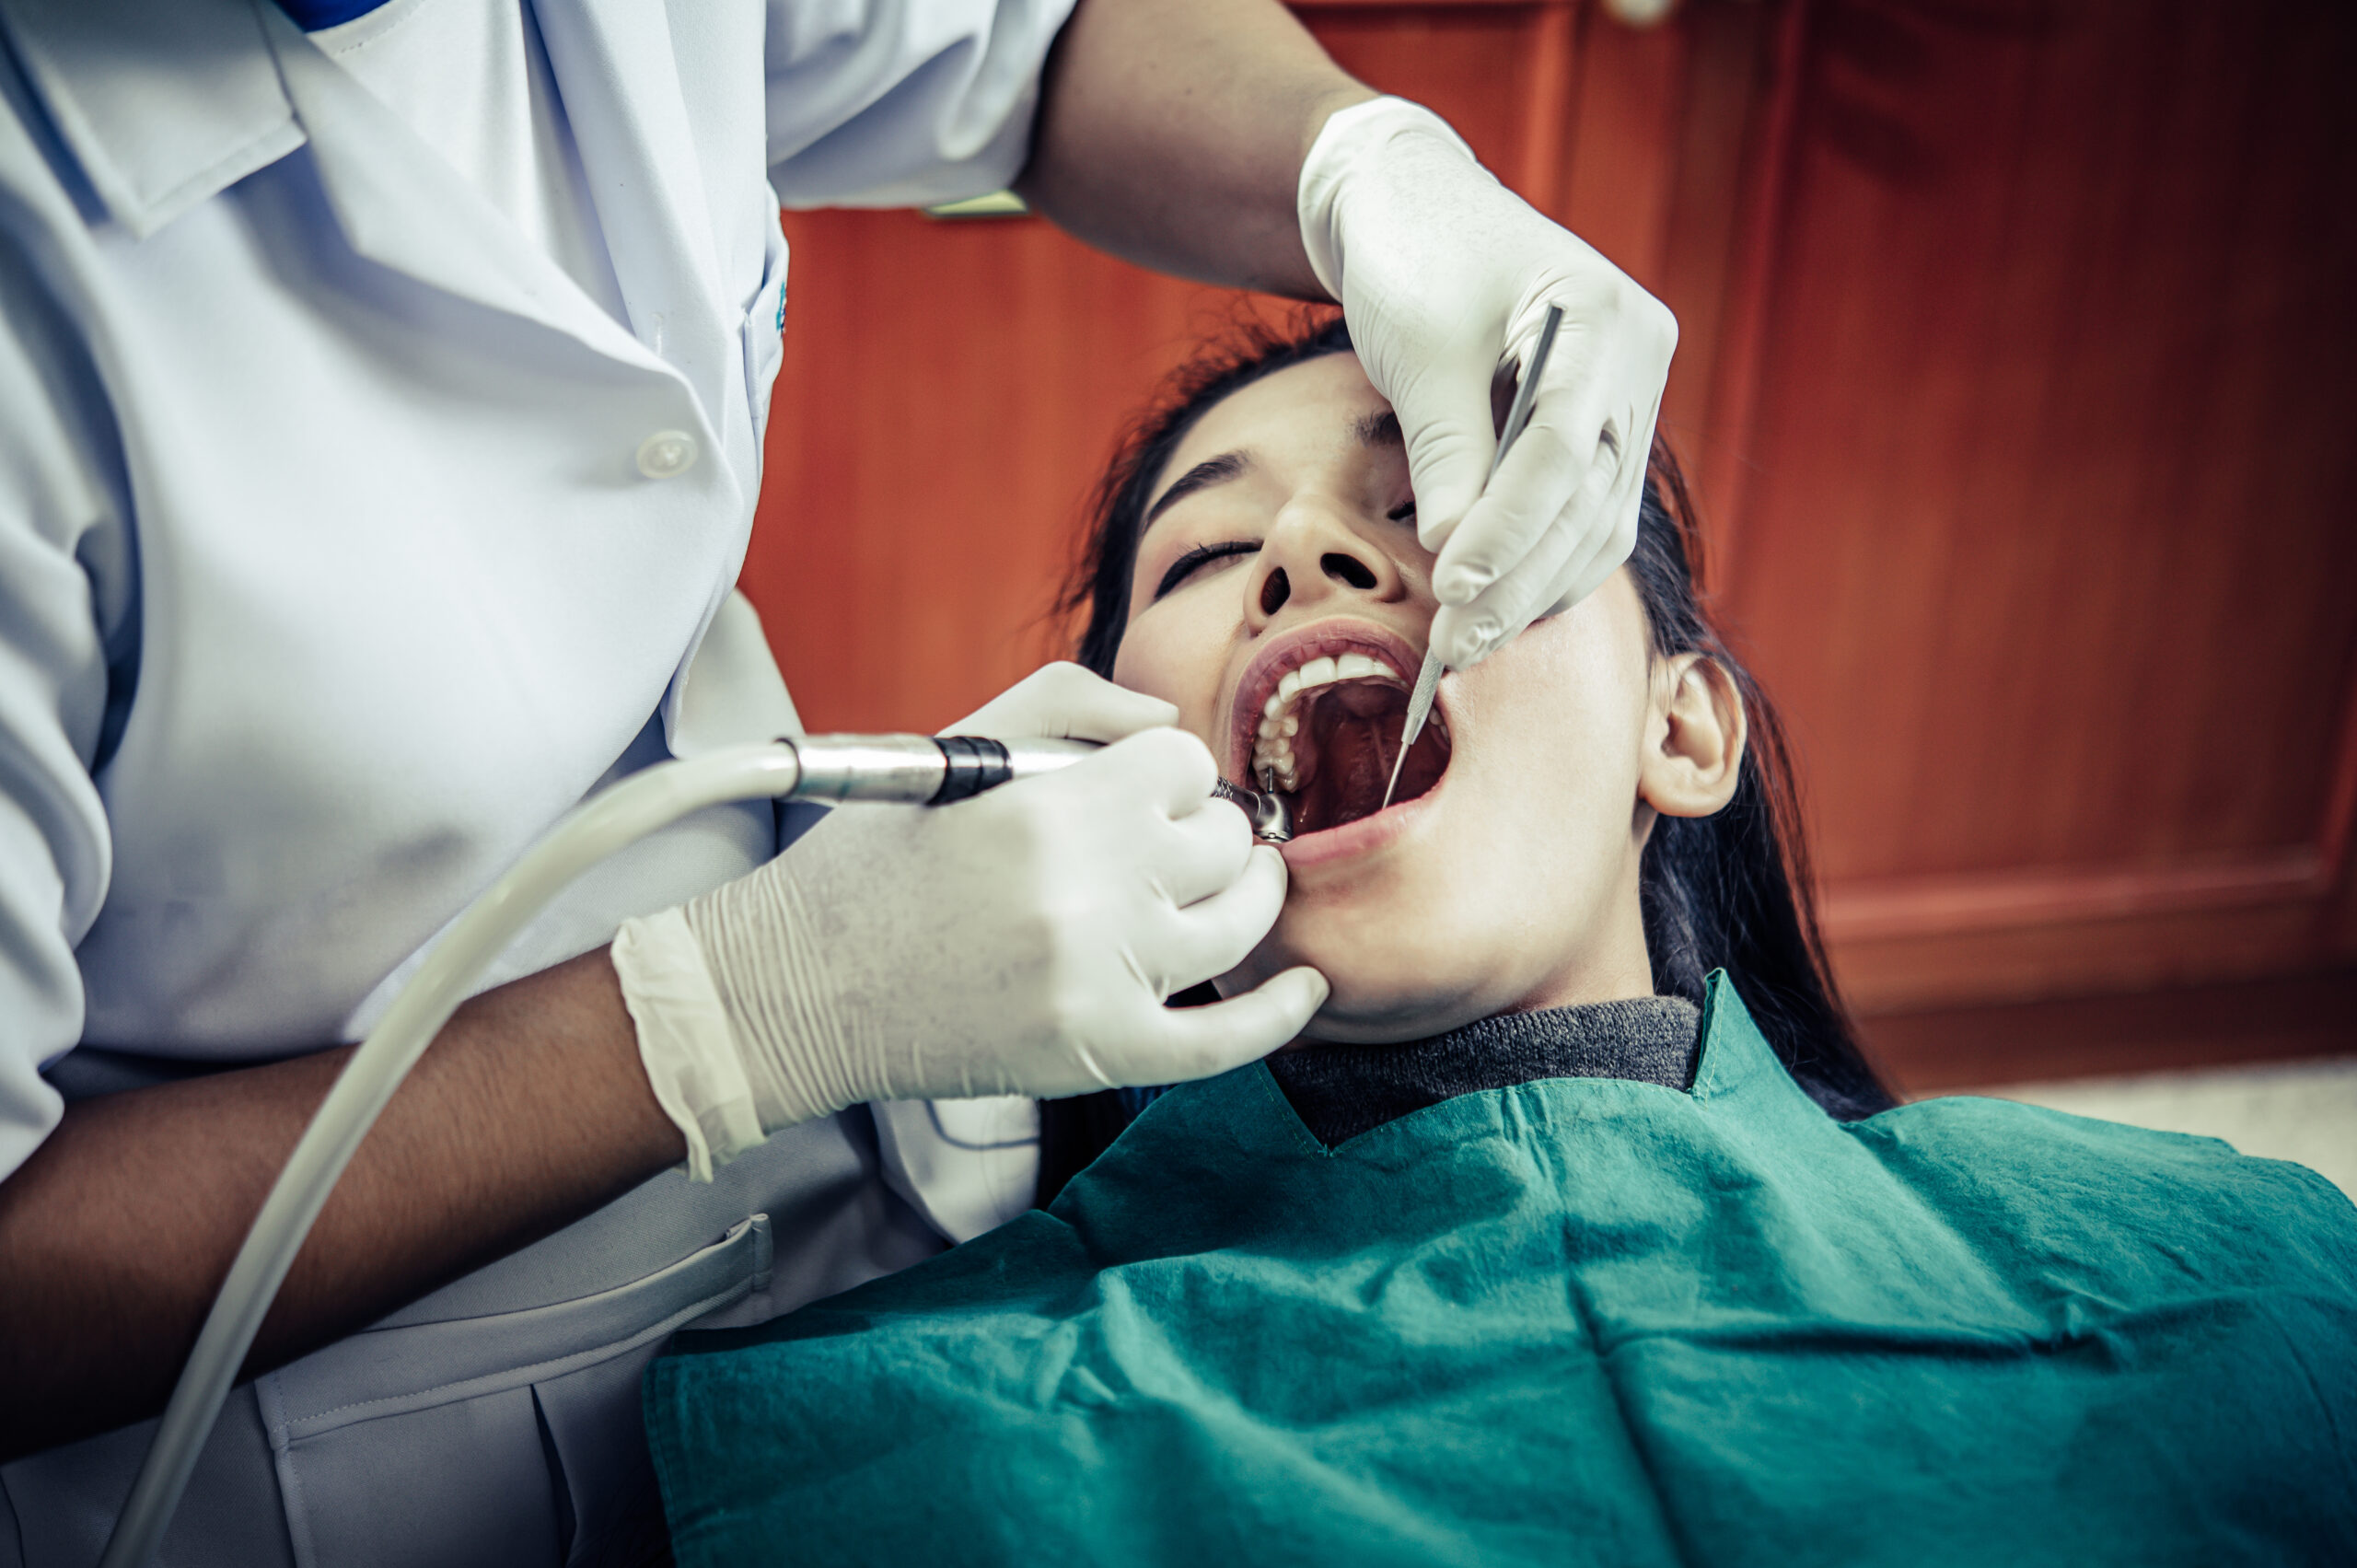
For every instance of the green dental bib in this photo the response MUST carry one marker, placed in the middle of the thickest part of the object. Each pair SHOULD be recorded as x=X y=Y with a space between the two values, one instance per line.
x=1575 y=1320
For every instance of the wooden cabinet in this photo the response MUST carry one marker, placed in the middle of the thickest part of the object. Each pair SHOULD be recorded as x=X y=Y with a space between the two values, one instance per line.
x=2017 y=368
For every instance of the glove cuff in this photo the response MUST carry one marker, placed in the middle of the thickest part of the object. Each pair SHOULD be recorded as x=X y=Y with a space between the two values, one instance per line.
x=684 y=1041
x=1354 y=139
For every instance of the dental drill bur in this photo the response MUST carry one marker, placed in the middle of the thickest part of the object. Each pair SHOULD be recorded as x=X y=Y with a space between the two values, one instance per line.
x=1420 y=701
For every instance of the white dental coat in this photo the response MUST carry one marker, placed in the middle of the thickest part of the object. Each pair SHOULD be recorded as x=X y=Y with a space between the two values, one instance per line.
x=335 y=564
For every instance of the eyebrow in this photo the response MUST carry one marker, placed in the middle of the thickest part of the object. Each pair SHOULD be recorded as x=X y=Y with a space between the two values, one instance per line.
x=1379 y=430
x=1202 y=476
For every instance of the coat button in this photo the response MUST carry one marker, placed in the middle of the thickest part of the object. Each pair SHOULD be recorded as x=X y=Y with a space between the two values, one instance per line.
x=666 y=454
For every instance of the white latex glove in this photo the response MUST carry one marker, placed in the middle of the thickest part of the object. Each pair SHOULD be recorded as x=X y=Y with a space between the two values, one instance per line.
x=1444 y=275
x=1022 y=942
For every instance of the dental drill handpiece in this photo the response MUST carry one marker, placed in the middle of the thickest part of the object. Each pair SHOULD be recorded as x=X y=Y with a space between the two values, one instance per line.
x=928 y=770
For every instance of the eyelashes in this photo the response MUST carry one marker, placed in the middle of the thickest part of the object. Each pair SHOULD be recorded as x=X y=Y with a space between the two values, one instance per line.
x=1203 y=555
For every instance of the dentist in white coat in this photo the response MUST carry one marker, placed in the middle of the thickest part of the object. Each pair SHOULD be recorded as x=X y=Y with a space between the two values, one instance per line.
x=381 y=396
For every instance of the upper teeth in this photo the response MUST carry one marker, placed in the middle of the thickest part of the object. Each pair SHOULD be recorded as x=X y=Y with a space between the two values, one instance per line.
x=1273 y=757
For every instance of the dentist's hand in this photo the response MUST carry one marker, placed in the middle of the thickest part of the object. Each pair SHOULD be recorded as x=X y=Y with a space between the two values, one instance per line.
x=1444 y=275
x=1022 y=942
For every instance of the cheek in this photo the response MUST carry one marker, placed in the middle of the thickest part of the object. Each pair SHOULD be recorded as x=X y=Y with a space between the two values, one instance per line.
x=1559 y=718
x=1554 y=727
x=1177 y=650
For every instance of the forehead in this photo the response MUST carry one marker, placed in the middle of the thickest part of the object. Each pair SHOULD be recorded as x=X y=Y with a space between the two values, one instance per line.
x=1297 y=411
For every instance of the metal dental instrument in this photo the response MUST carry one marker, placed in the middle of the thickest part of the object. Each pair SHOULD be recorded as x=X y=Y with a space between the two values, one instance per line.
x=914 y=769
x=1420 y=701
x=929 y=769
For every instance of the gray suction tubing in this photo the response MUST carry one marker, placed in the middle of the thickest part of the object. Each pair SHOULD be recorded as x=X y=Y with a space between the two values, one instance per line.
x=915 y=769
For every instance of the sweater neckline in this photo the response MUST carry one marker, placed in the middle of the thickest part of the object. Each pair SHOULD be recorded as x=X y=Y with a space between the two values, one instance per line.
x=1341 y=1091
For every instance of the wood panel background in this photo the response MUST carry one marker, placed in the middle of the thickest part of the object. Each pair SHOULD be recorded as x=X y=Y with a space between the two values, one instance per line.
x=2015 y=366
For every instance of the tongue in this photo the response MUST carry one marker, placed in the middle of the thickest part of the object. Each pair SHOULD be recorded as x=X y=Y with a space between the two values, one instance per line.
x=1357 y=726
x=1364 y=700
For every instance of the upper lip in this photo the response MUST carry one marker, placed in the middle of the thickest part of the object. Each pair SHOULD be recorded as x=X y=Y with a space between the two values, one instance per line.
x=1289 y=652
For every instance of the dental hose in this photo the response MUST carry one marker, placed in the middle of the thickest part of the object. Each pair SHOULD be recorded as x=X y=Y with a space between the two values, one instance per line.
x=914 y=769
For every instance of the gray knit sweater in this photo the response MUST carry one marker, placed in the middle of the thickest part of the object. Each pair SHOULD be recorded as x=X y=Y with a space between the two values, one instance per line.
x=1341 y=1091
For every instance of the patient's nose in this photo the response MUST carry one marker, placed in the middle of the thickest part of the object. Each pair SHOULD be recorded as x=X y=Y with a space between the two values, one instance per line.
x=1311 y=555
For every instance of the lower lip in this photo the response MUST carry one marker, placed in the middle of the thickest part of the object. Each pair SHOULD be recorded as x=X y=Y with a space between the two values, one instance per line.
x=1362 y=837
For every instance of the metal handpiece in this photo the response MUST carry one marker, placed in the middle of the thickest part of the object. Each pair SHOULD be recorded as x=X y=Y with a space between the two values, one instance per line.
x=909 y=769
x=928 y=770
x=1420 y=701
x=1266 y=811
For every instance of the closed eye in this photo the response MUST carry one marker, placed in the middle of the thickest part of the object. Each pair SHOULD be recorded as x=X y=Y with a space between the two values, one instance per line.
x=1402 y=513
x=1187 y=565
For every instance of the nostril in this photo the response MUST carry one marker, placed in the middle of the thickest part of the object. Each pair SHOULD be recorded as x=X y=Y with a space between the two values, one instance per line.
x=1274 y=592
x=1347 y=569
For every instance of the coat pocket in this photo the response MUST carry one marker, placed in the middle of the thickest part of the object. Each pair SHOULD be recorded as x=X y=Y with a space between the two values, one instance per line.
x=522 y=1427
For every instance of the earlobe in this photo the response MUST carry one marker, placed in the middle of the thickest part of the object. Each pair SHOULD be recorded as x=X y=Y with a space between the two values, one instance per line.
x=1698 y=732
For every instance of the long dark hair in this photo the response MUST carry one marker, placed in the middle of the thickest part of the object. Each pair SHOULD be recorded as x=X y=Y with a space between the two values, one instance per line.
x=1729 y=891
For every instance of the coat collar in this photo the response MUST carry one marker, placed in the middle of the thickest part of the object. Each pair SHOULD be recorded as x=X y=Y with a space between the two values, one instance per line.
x=161 y=106
x=407 y=210
x=165 y=105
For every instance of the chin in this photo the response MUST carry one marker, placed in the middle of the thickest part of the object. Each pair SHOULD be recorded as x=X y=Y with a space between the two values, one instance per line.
x=1389 y=984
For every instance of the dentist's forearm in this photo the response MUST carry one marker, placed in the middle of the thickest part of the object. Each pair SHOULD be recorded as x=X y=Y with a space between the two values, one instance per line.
x=1171 y=132
x=530 y=1110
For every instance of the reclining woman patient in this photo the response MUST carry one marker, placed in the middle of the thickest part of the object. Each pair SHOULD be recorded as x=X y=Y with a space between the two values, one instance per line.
x=1576 y=1227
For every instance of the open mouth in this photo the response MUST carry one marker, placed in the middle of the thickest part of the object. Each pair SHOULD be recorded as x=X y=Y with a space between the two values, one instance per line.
x=1327 y=738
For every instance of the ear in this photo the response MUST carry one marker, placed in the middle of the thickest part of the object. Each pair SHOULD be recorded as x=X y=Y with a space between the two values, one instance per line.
x=1694 y=738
